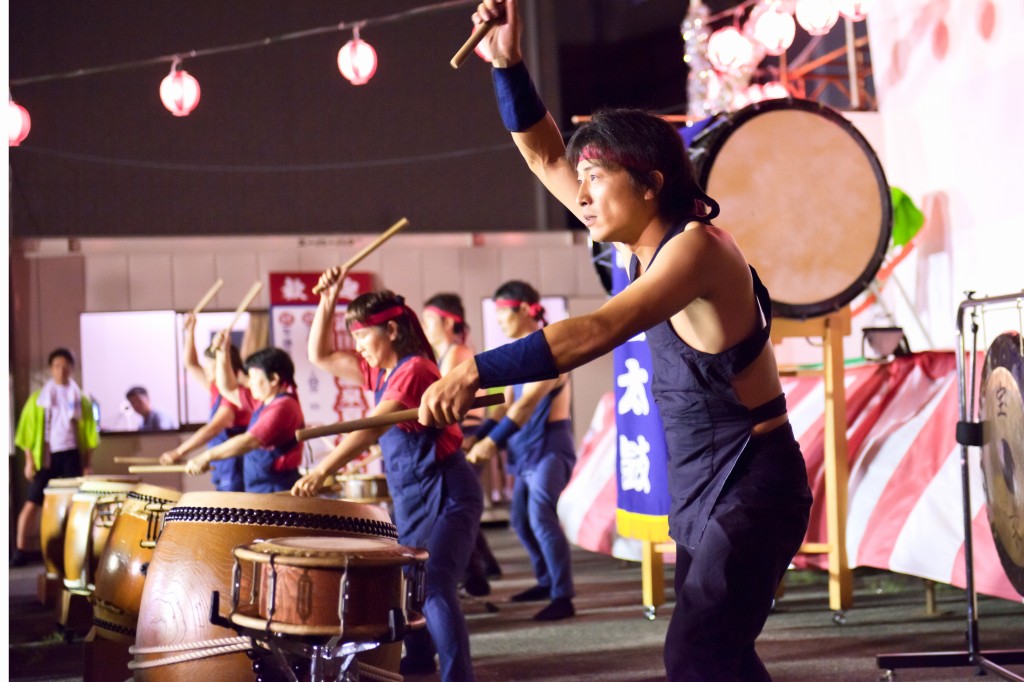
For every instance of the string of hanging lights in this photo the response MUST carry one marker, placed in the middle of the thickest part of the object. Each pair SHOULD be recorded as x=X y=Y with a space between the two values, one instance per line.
x=180 y=91
x=723 y=61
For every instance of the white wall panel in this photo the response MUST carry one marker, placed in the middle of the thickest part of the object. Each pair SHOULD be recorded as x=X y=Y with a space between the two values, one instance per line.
x=192 y=275
x=239 y=270
x=106 y=282
x=150 y=286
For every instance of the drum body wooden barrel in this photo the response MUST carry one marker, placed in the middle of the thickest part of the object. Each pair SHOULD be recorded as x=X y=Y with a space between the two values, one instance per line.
x=56 y=502
x=91 y=515
x=122 y=567
x=353 y=588
x=194 y=558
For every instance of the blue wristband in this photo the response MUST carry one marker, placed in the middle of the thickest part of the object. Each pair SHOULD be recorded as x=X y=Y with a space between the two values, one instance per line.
x=484 y=428
x=520 y=362
x=518 y=102
x=505 y=429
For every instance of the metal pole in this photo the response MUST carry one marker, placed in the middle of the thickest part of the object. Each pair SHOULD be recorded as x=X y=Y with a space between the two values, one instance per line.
x=851 y=65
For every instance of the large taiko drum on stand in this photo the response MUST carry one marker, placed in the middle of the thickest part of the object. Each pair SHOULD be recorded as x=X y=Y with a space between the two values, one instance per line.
x=805 y=197
x=122 y=568
x=92 y=513
x=56 y=501
x=194 y=558
x=1002 y=452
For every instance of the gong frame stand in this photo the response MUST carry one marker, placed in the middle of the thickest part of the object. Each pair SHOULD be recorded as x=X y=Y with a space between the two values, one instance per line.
x=968 y=434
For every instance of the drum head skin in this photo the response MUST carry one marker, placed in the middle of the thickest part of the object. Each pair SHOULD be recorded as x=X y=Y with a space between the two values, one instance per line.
x=1002 y=453
x=804 y=196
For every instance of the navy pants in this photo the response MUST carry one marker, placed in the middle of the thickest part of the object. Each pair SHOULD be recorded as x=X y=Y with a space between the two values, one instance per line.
x=449 y=544
x=535 y=513
x=725 y=586
x=227 y=475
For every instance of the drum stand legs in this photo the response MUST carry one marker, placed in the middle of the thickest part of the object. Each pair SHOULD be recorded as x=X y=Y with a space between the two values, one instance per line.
x=281 y=658
x=968 y=433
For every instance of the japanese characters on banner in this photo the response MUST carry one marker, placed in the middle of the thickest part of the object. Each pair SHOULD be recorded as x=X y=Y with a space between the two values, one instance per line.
x=325 y=399
x=642 y=459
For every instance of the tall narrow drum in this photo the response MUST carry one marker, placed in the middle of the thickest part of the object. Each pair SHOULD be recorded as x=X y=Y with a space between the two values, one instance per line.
x=90 y=518
x=56 y=502
x=194 y=558
x=122 y=568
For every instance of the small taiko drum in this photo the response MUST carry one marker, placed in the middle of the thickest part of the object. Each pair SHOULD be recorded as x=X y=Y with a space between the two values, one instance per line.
x=56 y=502
x=358 y=589
x=363 y=488
x=121 y=572
x=91 y=515
x=193 y=559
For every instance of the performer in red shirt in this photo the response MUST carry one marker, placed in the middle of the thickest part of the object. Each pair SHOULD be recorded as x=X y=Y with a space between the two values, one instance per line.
x=436 y=494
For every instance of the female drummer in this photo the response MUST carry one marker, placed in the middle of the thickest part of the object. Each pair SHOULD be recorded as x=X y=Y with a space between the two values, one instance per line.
x=437 y=498
x=538 y=434
x=226 y=419
x=271 y=454
x=740 y=499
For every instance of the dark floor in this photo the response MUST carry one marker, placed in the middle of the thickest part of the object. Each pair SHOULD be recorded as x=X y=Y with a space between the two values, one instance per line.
x=610 y=639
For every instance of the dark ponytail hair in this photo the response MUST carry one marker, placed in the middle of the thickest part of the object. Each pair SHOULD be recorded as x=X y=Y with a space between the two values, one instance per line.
x=409 y=340
x=272 y=361
x=518 y=290
x=451 y=303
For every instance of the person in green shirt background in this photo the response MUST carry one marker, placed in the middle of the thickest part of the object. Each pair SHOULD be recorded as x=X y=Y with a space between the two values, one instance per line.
x=58 y=432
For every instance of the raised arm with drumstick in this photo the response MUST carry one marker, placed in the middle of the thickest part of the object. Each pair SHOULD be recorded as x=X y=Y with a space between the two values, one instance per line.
x=226 y=420
x=740 y=500
x=437 y=498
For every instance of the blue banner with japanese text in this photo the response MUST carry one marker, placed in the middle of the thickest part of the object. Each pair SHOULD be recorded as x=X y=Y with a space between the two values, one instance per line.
x=641 y=454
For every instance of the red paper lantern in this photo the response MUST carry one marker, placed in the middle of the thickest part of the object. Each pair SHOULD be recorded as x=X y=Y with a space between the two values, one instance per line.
x=179 y=91
x=729 y=50
x=774 y=29
x=18 y=123
x=854 y=10
x=357 y=60
x=817 y=16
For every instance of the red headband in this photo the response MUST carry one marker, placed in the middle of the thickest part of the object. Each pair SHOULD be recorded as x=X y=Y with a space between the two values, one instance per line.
x=378 y=318
x=444 y=313
x=593 y=153
x=534 y=309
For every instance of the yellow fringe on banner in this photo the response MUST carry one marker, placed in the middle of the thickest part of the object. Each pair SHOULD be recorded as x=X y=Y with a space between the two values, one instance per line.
x=642 y=526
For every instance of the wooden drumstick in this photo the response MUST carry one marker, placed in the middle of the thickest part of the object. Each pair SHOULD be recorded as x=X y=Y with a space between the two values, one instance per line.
x=253 y=290
x=384 y=419
x=158 y=469
x=478 y=34
x=370 y=248
x=208 y=296
x=136 y=460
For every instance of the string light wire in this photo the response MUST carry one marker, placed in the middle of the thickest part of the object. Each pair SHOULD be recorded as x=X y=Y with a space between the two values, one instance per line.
x=249 y=45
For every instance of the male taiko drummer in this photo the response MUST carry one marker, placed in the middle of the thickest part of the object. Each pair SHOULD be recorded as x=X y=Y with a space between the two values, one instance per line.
x=740 y=500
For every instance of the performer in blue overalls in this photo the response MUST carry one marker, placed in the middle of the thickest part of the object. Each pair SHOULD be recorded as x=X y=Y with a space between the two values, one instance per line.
x=437 y=498
x=271 y=452
x=538 y=434
x=740 y=500
x=226 y=419
x=444 y=325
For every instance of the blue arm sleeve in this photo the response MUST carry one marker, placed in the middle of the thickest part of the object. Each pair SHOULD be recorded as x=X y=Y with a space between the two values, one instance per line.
x=520 y=362
x=518 y=102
